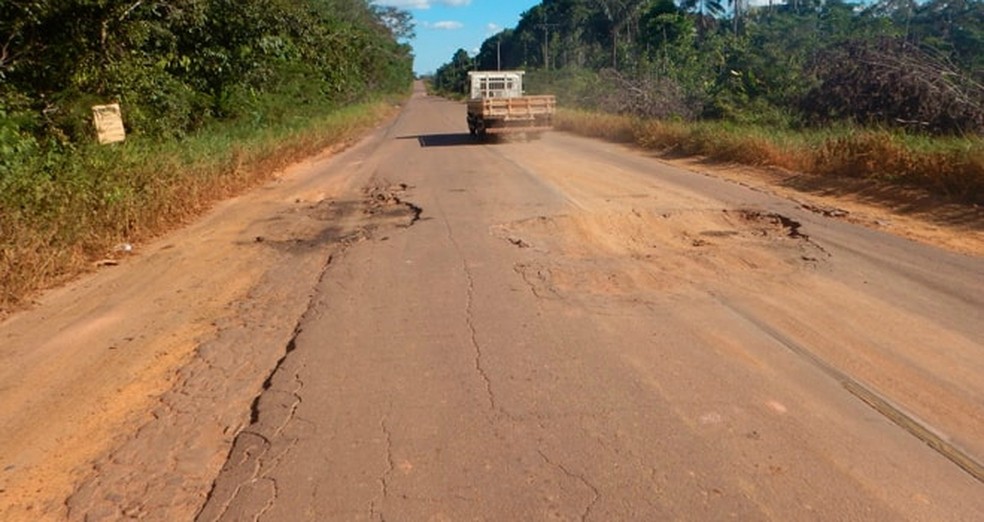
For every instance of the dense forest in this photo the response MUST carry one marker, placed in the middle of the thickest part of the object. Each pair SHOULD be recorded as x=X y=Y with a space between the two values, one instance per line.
x=898 y=63
x=178 y=65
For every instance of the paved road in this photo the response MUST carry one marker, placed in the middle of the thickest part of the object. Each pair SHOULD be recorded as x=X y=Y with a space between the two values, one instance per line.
x=558 y=329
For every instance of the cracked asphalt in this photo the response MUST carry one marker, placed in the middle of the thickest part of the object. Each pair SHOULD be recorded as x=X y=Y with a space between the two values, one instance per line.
x=559 y=329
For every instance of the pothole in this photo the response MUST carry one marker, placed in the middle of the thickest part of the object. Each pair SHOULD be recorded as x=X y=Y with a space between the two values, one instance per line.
x=637 y=253
x=386 y=201
x=313 y=225
x=768 y=222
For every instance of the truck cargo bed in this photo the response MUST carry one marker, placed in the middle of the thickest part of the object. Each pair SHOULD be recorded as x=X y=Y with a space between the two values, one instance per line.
x=519 y=114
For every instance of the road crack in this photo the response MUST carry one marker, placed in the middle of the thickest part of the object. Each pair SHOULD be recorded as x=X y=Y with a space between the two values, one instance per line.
x=470 y=316
x=260 y=426
x=276 y=405
x=469 y=320
x=273 y=499
x=537 y=279
x=383 y=479
x=596 y=494
x=469 y=313
x=390 y=466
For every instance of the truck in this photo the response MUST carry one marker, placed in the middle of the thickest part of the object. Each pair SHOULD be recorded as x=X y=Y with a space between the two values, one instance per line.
x=498 y=104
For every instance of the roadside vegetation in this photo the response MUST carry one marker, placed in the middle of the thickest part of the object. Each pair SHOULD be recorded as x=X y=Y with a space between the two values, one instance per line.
x=952 y=167
x=216 y=95
x=887 y=90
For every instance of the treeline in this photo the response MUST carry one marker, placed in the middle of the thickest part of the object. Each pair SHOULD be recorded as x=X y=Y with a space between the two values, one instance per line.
x=894 y=63
x=178 y=65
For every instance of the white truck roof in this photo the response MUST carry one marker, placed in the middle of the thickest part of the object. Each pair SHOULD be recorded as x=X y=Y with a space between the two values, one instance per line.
x=496 y=84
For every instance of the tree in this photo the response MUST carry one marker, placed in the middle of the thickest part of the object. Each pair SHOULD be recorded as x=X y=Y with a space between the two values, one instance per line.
x=177 y=64
x=663 y=25
x=453 y=77
x=397 y=21
x=706 y=12
x=620 y=14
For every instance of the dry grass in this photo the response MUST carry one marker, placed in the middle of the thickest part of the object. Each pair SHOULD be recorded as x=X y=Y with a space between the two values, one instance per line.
x=951 y=167
x=596 y=125
x=63 y=220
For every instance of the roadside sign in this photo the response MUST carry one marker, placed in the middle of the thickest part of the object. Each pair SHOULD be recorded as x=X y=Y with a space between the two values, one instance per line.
x=109 y=123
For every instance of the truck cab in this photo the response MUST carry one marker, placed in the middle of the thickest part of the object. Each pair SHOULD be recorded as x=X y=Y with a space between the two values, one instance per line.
x=496 y=84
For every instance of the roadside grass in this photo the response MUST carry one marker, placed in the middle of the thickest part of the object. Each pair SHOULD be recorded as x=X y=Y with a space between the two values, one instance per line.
x=952 y=167
x=63 y=210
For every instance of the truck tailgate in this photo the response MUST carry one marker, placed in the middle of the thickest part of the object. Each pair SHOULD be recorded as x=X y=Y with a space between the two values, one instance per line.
x=522 y=108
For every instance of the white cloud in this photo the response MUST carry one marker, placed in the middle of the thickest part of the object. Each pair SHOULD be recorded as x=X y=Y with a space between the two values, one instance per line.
x=444 y=25
x=492 y=28
x=422 y=4
x=406 y=4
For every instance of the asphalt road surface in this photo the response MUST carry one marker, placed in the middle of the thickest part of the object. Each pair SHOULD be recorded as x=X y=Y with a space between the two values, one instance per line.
x=565 y=333
x=559 y=328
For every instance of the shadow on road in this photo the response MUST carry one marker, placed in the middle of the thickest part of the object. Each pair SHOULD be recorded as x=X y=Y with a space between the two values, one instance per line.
x=447 y=140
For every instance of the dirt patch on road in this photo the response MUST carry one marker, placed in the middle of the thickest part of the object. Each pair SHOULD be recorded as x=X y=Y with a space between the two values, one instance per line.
x=635 y=253
x=908 y=212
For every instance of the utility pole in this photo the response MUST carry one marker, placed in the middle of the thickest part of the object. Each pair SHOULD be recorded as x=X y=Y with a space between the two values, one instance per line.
x=498 y=54
x=546 y=43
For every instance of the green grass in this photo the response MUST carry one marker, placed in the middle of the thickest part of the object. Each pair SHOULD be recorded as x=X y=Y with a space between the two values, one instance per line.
x=61 y=209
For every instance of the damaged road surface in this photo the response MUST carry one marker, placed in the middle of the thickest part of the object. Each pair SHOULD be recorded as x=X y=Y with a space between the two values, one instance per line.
x=569 y=331
x=552 y=329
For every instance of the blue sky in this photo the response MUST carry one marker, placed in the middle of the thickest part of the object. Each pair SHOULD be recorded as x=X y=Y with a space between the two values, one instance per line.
x=444 y=26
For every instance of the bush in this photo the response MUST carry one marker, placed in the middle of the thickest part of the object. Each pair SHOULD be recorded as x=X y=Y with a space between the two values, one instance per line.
x=888 y=81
